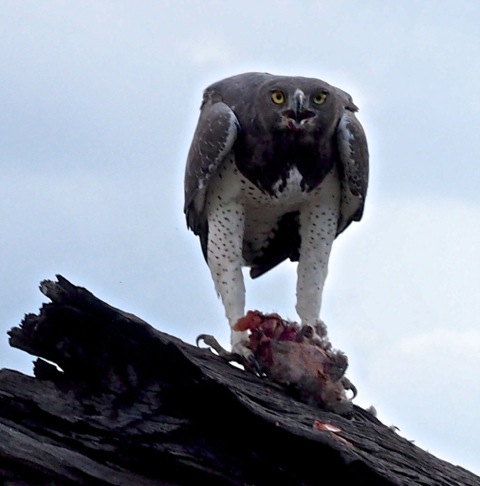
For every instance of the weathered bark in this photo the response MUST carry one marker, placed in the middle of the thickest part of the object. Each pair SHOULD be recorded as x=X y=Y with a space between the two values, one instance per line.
x=134 y=406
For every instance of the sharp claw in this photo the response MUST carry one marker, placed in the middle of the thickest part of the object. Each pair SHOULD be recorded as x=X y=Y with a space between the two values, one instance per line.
x=216 y=346
x=251 y=364
x=248 y=361
x=348 y=385
x=212 y=343
x=307 y=332
x=208 y=340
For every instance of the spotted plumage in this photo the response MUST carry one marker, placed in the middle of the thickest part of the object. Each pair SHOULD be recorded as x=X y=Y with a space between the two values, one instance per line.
x=277 y=168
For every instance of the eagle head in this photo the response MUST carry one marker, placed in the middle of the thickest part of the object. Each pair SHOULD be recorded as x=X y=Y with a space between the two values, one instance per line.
x=300 y=106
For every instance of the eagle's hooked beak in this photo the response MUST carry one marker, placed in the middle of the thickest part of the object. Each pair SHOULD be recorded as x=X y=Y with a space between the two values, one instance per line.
x=298 y=101
x=297 y=111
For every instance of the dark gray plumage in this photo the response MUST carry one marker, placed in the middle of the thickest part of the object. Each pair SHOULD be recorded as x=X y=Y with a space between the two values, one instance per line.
x=277 y=168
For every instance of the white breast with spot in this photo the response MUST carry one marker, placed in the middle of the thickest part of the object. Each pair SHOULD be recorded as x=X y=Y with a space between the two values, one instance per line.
x=230 y=189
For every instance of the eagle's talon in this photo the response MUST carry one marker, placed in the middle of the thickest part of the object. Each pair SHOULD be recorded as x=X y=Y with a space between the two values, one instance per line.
x=208 y=340
x=348 y=385
x=228 y=356
x=211 y=342
x=243 y=356
x=250 y=363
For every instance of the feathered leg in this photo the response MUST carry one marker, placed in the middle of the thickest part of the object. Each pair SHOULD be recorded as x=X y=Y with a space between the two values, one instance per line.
x=225 y=239
x=318 y=228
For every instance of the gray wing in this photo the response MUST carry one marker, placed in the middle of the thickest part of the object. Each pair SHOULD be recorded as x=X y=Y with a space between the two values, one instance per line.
x=213 y=140
x=353 y=151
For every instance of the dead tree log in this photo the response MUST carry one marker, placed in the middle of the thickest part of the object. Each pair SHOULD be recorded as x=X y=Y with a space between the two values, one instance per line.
x=129 y=405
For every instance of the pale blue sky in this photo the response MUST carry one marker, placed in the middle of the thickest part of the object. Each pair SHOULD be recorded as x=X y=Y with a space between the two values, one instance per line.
x=98 y=103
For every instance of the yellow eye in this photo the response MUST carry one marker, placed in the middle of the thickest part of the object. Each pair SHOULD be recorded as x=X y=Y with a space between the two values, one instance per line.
x=319 y=98
x=278 y=97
